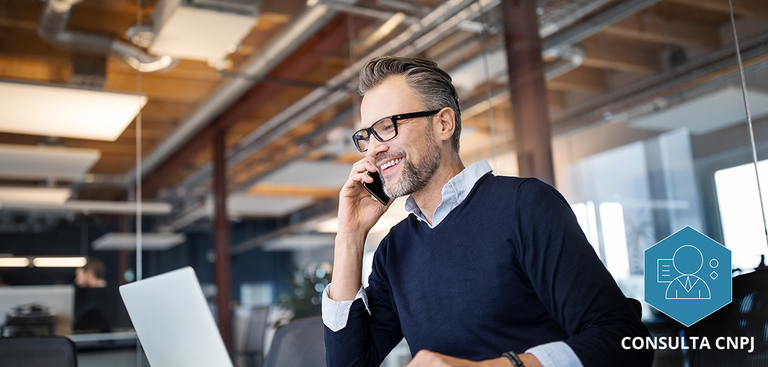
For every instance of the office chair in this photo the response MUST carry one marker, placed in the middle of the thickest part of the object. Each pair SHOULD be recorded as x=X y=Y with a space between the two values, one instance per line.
x=38 y=351
x=746 y=315
x=254 y=339
x=298 y=344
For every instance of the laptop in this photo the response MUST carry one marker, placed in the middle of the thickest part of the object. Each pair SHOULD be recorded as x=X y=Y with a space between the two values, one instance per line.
x=173 y=321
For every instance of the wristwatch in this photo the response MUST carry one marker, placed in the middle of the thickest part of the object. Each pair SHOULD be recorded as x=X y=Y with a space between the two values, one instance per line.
x=512 y=356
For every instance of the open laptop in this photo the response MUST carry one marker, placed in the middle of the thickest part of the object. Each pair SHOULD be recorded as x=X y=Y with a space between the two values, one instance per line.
x=173 y=321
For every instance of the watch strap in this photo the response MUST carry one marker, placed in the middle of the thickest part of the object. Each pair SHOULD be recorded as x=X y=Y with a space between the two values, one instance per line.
x=512 y=356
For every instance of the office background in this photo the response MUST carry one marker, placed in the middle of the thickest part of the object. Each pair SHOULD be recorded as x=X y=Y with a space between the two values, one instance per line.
x=633 y=109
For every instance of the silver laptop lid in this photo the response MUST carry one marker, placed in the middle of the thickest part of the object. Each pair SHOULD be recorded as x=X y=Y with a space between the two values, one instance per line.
x=173 y=321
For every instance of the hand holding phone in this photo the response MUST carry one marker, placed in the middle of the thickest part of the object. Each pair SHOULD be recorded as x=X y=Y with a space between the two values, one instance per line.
x=377 y=188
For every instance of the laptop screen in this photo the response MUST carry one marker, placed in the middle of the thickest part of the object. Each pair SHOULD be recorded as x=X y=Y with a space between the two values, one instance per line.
x=173 y=321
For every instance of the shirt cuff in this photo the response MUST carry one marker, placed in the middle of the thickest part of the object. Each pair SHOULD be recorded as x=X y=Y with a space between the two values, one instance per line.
x=336 y=314
x=555 y=354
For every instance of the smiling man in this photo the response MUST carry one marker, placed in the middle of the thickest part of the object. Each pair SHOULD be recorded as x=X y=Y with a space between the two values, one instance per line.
x=484 y=267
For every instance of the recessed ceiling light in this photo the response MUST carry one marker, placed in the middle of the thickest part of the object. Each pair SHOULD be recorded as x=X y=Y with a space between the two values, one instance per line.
x=49 y=110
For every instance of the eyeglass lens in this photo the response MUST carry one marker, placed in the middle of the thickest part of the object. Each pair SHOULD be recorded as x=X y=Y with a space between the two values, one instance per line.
x=383 y=130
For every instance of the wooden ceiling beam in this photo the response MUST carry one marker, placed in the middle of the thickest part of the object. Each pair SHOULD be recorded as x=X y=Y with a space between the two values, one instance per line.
x=35 y=70
x=744 y=8
x=185 y=69
x=634 y=57
x=23 y=43
x=652 y=28
x=171 y=89
x=582 y=79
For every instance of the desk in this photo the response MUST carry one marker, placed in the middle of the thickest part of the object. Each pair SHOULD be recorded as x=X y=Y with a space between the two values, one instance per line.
x=113 y=340
x=115 y=349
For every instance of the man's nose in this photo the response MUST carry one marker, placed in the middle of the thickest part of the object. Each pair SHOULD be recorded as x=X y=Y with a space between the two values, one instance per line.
x=374 y=148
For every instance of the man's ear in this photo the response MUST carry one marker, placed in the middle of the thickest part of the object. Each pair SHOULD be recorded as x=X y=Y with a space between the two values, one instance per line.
x=447 y=123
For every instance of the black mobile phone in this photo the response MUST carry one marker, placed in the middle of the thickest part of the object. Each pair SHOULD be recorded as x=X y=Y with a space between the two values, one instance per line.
x=376 y=188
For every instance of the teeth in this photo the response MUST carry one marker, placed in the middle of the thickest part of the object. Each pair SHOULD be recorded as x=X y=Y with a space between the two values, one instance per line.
x=390 y=163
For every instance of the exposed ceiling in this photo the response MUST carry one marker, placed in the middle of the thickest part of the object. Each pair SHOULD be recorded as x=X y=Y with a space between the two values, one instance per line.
x=286 y=94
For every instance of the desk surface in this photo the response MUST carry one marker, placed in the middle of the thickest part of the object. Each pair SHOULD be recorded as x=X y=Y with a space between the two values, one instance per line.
x=113 y=340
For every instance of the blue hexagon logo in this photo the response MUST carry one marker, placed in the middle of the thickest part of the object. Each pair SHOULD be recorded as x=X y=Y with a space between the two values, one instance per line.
x=687 y=276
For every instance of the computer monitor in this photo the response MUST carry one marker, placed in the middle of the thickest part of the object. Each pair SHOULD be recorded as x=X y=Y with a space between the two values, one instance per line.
x=99 y=310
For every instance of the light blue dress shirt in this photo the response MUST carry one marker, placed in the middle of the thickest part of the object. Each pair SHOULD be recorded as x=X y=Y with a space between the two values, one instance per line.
x=336 y=314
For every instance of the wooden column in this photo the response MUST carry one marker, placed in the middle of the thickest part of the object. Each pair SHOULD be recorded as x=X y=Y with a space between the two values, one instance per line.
x=528 y=90
x=221 y=236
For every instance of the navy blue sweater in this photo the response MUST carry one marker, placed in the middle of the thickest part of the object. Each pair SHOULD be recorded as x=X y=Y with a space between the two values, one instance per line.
x=508 y=269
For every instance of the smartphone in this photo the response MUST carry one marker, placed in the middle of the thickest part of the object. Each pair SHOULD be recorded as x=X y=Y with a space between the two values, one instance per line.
x=377 y=188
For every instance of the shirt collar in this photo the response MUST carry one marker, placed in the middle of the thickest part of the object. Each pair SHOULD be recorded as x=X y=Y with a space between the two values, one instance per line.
x=453 y=194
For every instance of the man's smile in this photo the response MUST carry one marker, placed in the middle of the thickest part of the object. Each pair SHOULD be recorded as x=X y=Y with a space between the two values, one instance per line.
x=388 y=164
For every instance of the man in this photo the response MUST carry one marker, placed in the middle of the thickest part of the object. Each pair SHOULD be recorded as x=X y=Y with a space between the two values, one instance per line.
x=484 y=267
x=91 y=275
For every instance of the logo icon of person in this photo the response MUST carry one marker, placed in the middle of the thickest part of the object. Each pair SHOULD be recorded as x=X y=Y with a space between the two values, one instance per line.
x=688 y=260
x=687 y=276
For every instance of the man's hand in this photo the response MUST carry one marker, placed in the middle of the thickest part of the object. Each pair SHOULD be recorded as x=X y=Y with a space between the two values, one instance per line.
x=425 y=358
x=358 y=211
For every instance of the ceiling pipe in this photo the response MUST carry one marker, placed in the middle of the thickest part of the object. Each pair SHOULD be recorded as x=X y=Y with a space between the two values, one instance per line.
x=52 y=28
x=576 y=33
x=466 y=25
x=305 y=25
x=566 y=15
x=569 y=58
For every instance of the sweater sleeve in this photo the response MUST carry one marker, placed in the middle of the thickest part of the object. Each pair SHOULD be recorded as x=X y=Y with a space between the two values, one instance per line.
x=367 y=337
x=571 y=281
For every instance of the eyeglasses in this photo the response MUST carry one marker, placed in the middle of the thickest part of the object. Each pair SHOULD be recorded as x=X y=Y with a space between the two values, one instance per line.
x=384 y=129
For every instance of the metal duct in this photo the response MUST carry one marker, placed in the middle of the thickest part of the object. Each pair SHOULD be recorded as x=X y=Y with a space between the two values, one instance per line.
x=592 y=25
x=569 y=58
x=52 y=29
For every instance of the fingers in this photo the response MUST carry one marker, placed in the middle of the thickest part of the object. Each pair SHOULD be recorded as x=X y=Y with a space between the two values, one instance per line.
x=360 y=171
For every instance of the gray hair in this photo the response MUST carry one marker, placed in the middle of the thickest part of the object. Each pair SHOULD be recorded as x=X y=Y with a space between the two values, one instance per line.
x=431 y=84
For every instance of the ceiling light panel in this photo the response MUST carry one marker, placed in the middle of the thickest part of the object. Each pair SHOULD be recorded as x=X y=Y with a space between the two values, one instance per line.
x=149 y=241
x=14 y=262
x=195 y=30
x=59 y=262
x=265 y=206
x=41 y=162
x=316 y=174
x=66 y=112
x=37 y=195
x=300 y=242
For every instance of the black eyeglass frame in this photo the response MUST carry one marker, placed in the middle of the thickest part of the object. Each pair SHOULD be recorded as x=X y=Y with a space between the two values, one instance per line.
x=394 y=118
